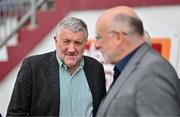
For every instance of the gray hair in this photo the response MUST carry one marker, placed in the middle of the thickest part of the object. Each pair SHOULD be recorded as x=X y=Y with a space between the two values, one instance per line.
x=130 y=24
x=73 y=24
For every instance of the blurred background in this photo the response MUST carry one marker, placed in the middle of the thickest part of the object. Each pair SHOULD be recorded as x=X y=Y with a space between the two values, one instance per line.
x=27 y=28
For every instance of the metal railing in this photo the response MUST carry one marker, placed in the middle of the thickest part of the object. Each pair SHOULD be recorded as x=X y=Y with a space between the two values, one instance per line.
x=19 y=11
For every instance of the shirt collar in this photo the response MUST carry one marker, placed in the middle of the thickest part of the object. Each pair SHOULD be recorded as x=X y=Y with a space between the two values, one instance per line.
x=118 y=68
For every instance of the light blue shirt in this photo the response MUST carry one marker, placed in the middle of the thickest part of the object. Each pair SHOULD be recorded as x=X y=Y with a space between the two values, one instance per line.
x=75 y=94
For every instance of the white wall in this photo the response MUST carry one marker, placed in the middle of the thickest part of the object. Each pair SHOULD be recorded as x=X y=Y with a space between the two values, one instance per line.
x=158 y=21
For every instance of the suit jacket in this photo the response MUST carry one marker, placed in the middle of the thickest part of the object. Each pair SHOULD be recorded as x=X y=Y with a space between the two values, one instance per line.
x=148 y=86
x=37 y=90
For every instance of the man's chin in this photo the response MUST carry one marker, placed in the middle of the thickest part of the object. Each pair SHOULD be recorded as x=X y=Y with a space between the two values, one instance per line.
x=71 y=61
x=70 y=64
x=106 y=59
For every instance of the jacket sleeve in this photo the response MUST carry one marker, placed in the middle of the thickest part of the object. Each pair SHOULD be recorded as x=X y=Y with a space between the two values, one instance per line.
x=21 y=96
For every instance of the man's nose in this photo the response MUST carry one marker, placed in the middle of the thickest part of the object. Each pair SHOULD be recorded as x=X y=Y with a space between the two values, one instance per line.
x=71 y=47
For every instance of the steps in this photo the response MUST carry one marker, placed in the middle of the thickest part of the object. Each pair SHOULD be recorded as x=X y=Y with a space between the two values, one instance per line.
x=9 y=23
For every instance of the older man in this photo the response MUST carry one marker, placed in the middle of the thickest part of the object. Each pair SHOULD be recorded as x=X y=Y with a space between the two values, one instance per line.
x=145 y=84
x=62 y=82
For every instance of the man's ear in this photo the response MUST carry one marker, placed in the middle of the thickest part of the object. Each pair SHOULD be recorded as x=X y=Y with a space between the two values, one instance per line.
x=86 y=40
x=55 y=39
x=120 y=38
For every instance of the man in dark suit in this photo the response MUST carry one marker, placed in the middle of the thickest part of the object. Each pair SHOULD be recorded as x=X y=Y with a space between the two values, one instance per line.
x=145 y=83
x=63 y=82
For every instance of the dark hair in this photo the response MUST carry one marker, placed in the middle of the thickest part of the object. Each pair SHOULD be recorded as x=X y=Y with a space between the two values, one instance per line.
x=130 y=24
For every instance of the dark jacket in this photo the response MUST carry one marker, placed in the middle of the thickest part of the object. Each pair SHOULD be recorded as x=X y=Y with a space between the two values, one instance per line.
x=37 y=93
